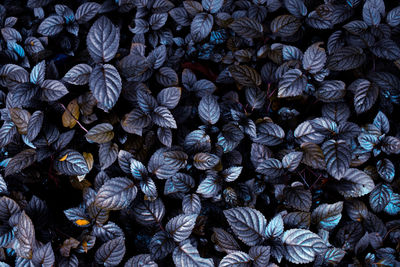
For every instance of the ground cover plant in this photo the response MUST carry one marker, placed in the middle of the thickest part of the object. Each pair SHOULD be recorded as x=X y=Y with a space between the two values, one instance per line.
x=199 y=133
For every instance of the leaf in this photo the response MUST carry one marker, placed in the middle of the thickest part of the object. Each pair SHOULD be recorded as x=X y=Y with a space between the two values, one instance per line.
x=302 y=245
x=337 y=157
x=355 y=183
x=346 y=58
x=8 y=207
x=274 y=228
x=44 y=256
x=232 y=173
x=285 y=25
x=20 y=117
x=314 y=58
x=245 y=75
x=7 y=132
x=111 y=252
x=205 y=161
x=237 y=258
x=158 y=20
x=365 y=95
x=191 y=204
x=51 y=25
x=53 y=90
x=386 y=170
x=246 y=27
x=25 y=236
x=149 y=212
x=298 y=197
x=78 y=75
x=371 y=12
x=380 y=197
x=71 y=162
x=38 y=73
x=292 y=84
x=187 y=255
x=212 y=6
x=209 y=110
x=269 y=134
x=101 y=133
x=225 y=240
x=356 y=27
x=108 y=154
x=141 y=259
x=167 y=76
x=331 y=91
x=163 y=117
x=386 y=49
x=86 y=12
x=116 y=193
x=393 y=207
x=105 y=85
x=161 y=245
x=169 y=97
x=201 y=26
x=327 y=216
x=20 y=161
x=71 y=114
x=292 y=160
x=393 y=17
x=34 y=125
x=260 y=255
x=272 y=168
x=181 y=226
x=102 y=40
x=305 y=132
x=248 y=224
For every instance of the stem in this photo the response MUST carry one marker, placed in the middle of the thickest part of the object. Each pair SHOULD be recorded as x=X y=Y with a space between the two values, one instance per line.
x=80 y=125
x=319 y=177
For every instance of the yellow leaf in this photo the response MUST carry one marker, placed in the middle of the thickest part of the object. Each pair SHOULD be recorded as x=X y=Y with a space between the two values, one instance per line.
x=64 y=158
x=89 y=159
x=82 y=222
x=71 y=115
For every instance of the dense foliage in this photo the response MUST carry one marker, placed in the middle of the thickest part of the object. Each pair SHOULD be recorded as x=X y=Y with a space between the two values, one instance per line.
x=199 y=133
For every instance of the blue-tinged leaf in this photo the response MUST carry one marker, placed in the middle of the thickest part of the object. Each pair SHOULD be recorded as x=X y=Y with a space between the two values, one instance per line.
x=149 y=212
x=212 y=6
x=290 y=52
x=209 y=110
x=71 y=162
x=368 y=141
x=393 y=207
x=296 y=7
x=355 y=183
x=187 y=255
x=209 y=187
x=292 y=160
x=111 y=252
x=275 y=228
x=337 y=157
x=314 y=58
x=191 y=204
x=271 y=168
x=225 y=241
x=260 y=255
x=248 y=224
x=346 y=58
x=44 y=256
x=105 y=85
x=296 y=196
x=333 y=256
x=86 y=12
x=302 y=245
x=327 y=216
x=372 y=12
x=141 y=260
x=269 y=134
x=386 y=170
x=38 y=73
x=237 y=259
x=331 y=91
x=232 y=173
x=78 y=217
x=181 y=226
x=292 y=84
x=161 y=245
x=380 y=197
x=51 y=25
x=197 y=141
x=116 y=193
x=53 y=90
x=137 y=169
x=183 y=182
x=78 y=75
x=393 y=17
x=103 y=40
x=149 y=188
x=305 y=132
x=201 y=26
